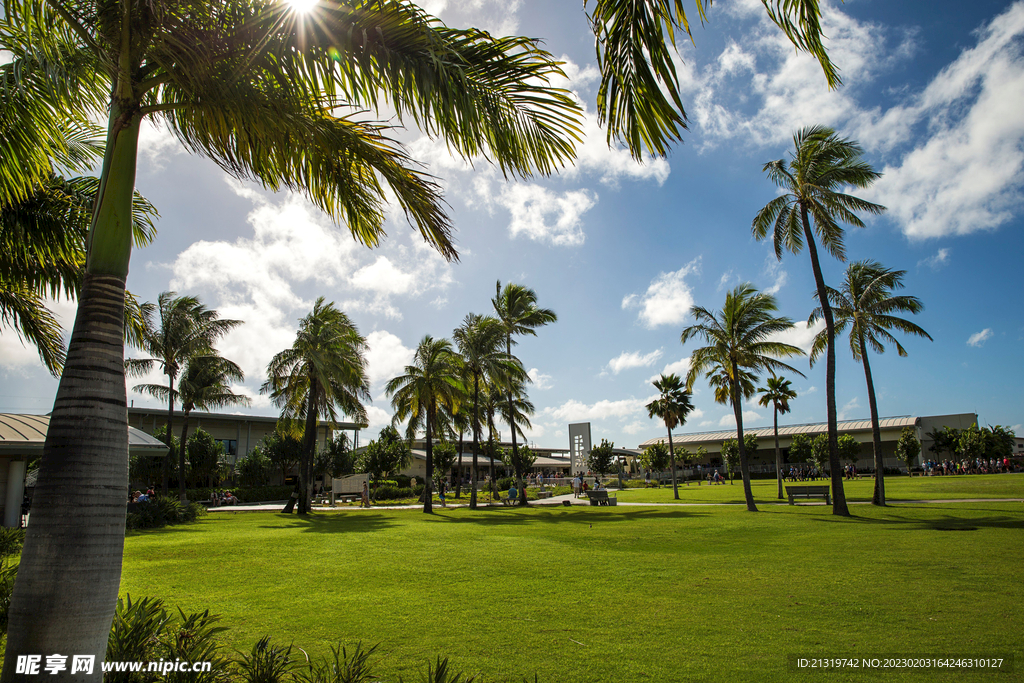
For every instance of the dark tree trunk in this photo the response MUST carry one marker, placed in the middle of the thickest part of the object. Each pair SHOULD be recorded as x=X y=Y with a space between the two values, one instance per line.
x=170 y=440
x=778 y=453
x=476 y=440
x=428 y=495
x=458 y=479
x=182 y=495
x=672 y=454
x=65 y=593
x=838 y=493
x=878 y=498
x=737 y=409
x=308 y=447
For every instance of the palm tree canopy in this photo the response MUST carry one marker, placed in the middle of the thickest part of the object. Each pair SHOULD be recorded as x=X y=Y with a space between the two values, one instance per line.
x=778 y=391
x=205 y=384
x=518 y=416
x=297 y=117
x=329 y=352
x=638 y=98
x=720 y=381
x=673 y=404
x=866 y=305
x=431 y=381
x=480 y=340
x=516 y=307
x=821 y=167
x=742 y=333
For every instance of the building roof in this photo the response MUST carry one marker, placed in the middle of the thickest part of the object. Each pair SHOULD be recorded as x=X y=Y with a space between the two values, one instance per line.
x=788 y=430
x=232 y=417
x=484 y=461
x=26 y=434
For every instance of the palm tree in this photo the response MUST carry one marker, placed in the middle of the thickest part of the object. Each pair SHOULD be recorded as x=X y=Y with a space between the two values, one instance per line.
x=187 y=329
x=823 y=164
x=429 y=384
x=739 y=338
x=516 y=308
x=324 y=370
x=479 y=340
x=516 y=413
x=777 y=392
x=672 y=406
x=257 y=88
x=638 y=98
x=866 y=305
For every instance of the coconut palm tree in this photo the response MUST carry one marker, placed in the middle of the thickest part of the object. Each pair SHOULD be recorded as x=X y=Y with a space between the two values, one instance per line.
x=739 y=337
x=822 y=165
x=777 y=392
x=430 y=384
x=516 y=307
x=324 y=371
x=263 y=91
x=638 y=99
x=672 y=406
x=187 y=329
x=866 y=305
x=480 y=341
x=516 y=413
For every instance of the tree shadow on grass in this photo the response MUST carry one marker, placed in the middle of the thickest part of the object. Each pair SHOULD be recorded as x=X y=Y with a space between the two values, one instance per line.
x=519 y=516
x=365 y=522
x=937 y=520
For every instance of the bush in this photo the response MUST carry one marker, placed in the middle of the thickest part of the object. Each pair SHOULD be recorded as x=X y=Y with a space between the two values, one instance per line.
x=505 y=483
x=391 y=492
x=161 y=512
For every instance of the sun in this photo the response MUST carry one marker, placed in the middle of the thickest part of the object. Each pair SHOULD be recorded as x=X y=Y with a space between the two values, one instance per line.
x=302 y=6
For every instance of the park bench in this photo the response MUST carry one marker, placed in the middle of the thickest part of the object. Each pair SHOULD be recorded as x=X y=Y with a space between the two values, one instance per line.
x=809 y=492
x=600 y=498
x=504 y=499
x=543 y=494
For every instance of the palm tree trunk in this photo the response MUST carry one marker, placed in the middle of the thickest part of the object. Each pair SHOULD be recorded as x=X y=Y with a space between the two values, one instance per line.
x=170 y=440
x=838 y=493
x=458 y=479
x=182 y=495
x=878 y=498
x=737 y=409
x=428 y=496
x=778 y=453
x=490 y=456
x=308 y=447
x=476 y=439
x=70 y=569
x=672 y=454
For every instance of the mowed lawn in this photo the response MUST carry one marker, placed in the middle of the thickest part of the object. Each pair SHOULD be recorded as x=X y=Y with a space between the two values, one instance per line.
x=609 y=594
x=896 y=488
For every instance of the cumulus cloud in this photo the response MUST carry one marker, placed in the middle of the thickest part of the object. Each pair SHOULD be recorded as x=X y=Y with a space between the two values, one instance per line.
x=546 y=216
x=539 y=379
x=940 y=259
x=386 y=358
x=632 y=359
x=749 y=417
x=979 y=338
x=577 y=411
x=19 y=357
x=850 y=410
x=679 y=367
x=667 y=300
x=801 y=335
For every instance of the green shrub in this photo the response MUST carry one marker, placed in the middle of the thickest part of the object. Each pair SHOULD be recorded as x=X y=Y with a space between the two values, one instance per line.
x=11 y=541
x=161 y=512
x=135 y=636
x=391 y=492
x=266 y=663
x=505 y=483
x=340 y=667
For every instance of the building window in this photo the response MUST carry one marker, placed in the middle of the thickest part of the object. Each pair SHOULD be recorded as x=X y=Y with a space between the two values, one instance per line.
x=230 y=446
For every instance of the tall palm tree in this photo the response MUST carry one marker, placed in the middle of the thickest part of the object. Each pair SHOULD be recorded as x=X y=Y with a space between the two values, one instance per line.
x=638 y=99
x=672 y=406
x=739 y=337
x=322 y=372
x=186 y=329
x=430 y=384
x=516 y=307
x=516 y=413
x=822 y=165
x=479 y=340
x=777 y=392
x=865 y=303
x=256 y=87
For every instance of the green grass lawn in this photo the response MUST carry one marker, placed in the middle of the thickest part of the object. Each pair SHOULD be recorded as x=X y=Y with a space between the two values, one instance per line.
x=607 y=594
x=896 y=488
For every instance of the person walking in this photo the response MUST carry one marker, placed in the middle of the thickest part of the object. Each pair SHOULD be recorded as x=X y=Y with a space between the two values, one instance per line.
x=365 y=500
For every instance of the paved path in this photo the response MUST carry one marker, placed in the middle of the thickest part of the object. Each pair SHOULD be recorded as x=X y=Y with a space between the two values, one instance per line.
x=557 y=500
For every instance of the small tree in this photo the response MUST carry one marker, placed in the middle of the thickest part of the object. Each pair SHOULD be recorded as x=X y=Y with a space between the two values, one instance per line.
x=520 y=459
x=601 y=458
x=908 y=448
x=800 y=450
x=750 y=442
x=970 y=443
x=819 y=452
x=944 y=441
x=849 y=448
x=999 y=441
x=655 y=458
x=731 y=457
x=284 y=449
x=387 y=455
x=336 y=460
x=254 y=469
x=203 y=457
x=445 y=454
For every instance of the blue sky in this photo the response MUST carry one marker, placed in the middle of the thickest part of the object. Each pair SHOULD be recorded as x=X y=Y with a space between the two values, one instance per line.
x=934 y=91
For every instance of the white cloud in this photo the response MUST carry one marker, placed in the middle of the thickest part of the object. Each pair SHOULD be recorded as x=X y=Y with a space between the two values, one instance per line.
x=679 y=367
x=848 y=411
x=539 y=379
x=729 y=420
x=156 y=143
x=773 y=271
x=801 y=335
x=637 y=426
x=667 y=300
x=546 y=216
x=1017 y=429
x=386 y=357
x=937 y=261
x=810 y=390
x=633 y=359
x=17 y=355
x=576 y=411
x=979 y=338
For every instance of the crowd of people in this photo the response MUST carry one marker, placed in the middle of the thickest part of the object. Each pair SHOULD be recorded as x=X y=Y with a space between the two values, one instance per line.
x=967 y=466
x=140 y=497
x=222 y=498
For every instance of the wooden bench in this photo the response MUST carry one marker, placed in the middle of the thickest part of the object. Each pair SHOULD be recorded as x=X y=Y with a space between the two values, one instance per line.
x=600 y=498
x=543 y=494
x=504 y=500
x=809 y=492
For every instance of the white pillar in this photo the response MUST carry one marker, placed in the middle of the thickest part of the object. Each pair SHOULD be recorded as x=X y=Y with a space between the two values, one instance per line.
x=15 y=493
